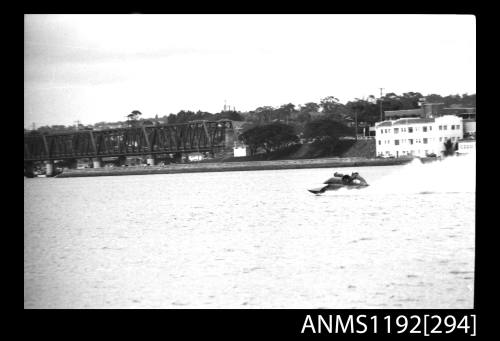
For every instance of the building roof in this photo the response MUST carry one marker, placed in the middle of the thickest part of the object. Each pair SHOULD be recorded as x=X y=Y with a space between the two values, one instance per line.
x=409 y=120
x=414 y=120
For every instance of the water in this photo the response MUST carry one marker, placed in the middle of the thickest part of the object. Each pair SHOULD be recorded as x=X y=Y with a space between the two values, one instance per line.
x=254 y=239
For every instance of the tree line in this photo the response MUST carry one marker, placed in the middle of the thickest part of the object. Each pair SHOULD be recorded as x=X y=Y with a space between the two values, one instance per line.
x=363 y=110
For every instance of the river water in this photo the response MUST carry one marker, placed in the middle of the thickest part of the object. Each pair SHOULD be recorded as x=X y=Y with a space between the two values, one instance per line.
x=254 y=239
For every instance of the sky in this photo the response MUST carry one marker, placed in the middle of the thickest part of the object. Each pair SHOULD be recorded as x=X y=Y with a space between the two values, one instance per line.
x=93 y=68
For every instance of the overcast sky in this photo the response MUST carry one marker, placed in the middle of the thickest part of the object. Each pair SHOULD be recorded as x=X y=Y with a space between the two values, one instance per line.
x=101 y=67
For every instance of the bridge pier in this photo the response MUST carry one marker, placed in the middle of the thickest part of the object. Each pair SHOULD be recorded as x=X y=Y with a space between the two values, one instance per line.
x=96 y=162
x=72 y=163
x=49 y=168
x=177 y=157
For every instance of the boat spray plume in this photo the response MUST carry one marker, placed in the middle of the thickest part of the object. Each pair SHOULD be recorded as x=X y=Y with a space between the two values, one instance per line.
x=455 y=174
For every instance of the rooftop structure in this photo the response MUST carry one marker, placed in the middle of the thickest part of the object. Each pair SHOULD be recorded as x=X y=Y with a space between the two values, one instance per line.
x=429 y=110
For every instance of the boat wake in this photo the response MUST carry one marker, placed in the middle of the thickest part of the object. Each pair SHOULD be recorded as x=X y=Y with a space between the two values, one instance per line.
x=456 y=174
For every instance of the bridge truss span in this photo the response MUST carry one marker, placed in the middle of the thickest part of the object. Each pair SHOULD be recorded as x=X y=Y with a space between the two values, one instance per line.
x=197 y=136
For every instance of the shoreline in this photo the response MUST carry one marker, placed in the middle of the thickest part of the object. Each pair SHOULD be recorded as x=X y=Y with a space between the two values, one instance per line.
x=233 y=166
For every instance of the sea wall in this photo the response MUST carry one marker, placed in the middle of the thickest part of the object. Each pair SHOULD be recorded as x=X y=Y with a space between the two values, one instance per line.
x=233 y=166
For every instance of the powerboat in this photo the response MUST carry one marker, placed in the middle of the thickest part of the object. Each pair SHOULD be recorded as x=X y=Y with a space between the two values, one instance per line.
x=354 y=181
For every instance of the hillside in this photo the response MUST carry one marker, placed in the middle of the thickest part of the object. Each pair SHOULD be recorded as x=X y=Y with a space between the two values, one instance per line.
x=344 y=148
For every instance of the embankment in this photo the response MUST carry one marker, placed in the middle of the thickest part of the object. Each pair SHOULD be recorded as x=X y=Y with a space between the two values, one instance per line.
x=233 y=166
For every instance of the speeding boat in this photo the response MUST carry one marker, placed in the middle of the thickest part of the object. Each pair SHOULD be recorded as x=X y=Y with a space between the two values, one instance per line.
x=354 y=181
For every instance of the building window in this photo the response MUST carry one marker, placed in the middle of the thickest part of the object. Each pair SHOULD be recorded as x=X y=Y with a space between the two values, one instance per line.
x=410 y=129
x=440 y=139
x=440 y=127
x=424 y=128
x=452 y=127
x=430 y=128
x=458 y=126
x=396 y=142
x=396 y=130
x=379 y=142
x=425 y=140
x=411 y=141
x=381 y=131
x=445 y=127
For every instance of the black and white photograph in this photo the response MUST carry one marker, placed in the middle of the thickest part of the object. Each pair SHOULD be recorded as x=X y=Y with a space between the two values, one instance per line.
x=249 y=161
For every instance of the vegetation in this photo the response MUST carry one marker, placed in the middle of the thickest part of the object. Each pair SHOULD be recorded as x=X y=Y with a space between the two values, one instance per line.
x=270 y=137
x=326 y=133
x=132 y=118
x=366 y=111
x=450 y=148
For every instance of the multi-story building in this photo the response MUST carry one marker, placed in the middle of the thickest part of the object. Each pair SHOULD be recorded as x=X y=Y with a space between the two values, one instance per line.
x=417 y=136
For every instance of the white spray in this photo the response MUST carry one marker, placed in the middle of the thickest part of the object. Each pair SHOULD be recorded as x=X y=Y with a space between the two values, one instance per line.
x=452 y=174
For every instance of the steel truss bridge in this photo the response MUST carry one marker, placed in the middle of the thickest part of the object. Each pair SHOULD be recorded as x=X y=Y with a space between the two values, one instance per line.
x=198 y=136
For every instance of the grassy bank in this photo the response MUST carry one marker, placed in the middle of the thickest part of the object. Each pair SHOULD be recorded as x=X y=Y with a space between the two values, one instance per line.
x=342 y=149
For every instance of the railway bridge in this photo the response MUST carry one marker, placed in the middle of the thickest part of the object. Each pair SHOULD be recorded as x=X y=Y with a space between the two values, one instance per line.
x=147 y=141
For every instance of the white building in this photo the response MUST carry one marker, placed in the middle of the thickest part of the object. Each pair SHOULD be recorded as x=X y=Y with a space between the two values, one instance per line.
x=466 y=146
x=240 y=151
x=417 y=136
x=195 y=157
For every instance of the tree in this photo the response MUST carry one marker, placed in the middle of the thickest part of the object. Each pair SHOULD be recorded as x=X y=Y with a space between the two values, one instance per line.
x=264 y=114
x=172 y=119
x=367 y=110
x=303 y=117
x=285 y=112
x=411 y=100
x=469 y=100
x=229 y=115
x=450 y=148
x=326 y=133
x=327 y=128
x=434 y=98
x=133 y=117
x=309 y=107
x=270 y=137
x=333 y=108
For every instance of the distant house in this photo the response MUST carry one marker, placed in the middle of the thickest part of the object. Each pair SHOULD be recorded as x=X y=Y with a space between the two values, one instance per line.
x=196 y=157
x=240 y=151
